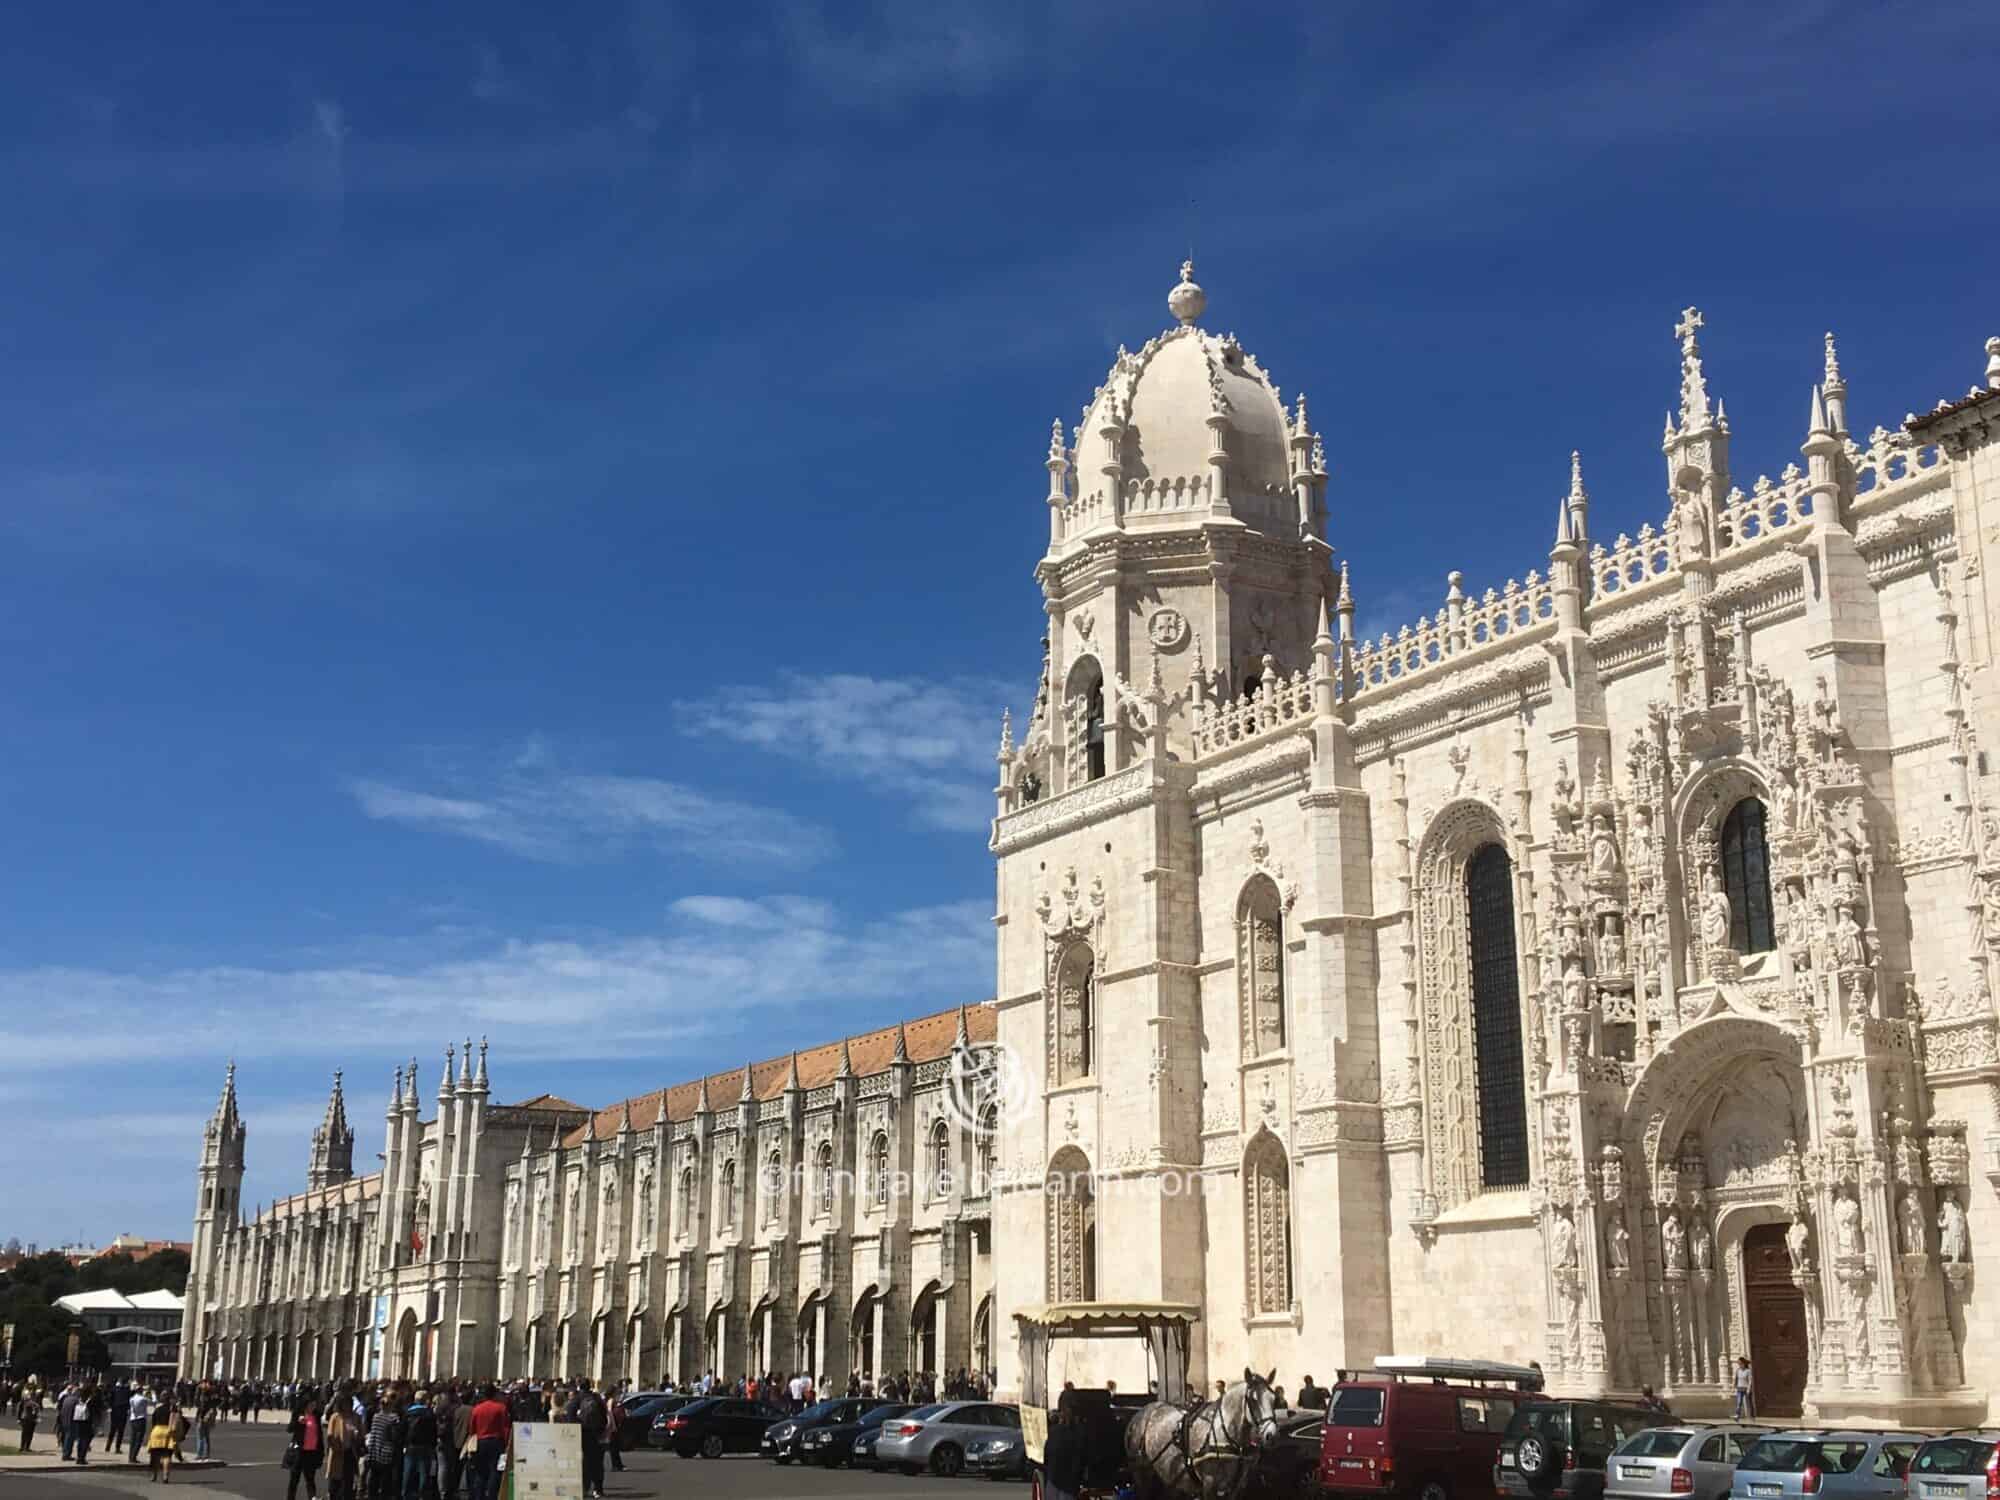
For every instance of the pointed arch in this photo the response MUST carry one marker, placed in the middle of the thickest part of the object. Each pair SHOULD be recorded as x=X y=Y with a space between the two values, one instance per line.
x=1746 y=877
x=878 y=1169
x=1072 y=1228
x=1076 y=1013
x=940 y=1159
x=729 y=1193
x=1469 y=981
x=1260 y=967
x=823 y=1178
x=1267 y=1227
x=1083 y=702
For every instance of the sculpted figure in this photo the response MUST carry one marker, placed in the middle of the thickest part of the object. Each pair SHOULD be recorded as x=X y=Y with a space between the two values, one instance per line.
x=1846 y=1227
x=1798 y=923
x=1703 y=1246
x=1979 y=994
x=1714 y=913
x=1850 y=948
x=1952 y=1246
x=1673 y=1243
x=1562 y=1243
x=1603 y=847
x=1911 y=1222
x=1795 y=1244
x=1620 y=1246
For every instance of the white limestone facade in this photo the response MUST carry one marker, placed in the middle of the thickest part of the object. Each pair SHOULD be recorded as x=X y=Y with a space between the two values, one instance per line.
x=1596 y=971
x=825 y=1211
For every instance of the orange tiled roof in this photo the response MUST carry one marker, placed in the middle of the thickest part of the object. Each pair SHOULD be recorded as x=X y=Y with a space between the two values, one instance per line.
x=554 y=1103
x=925 y=1039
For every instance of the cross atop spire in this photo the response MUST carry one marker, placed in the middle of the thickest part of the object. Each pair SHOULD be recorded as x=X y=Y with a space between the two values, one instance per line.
x=332 y=1159
x=1695 y=412
x=1187 y=300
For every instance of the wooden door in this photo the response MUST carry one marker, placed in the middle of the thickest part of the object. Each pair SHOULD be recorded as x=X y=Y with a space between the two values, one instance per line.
x=1776 y=1311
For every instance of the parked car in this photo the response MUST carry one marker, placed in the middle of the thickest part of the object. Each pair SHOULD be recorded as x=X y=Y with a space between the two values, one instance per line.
x=1842 y=1464
x=784 y=1439
x=862 y=1453
x=716 y=1425
x=1561 y=1447
x=640 y=1409
x=1692 y=1459
x=998 y=1457
x=658 y=1433
x=1288 y=1460
x=935 y=1437
x=1427 y=1429
x=1955 y=1466
x=834 y=1444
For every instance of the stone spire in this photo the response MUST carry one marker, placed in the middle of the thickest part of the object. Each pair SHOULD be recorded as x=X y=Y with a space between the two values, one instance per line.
x=332 y=1159
x=625 y=1117
x=1344 y=605
x=411 y=1100
x=1835 y=390
x=448 y=1079
x=1696 y=412
x=223 y=1139
x=1187 y=301
x=479 y=1081
x=846 y=1068
x=746 y=1097
x=792 y=1074
x=902 y=1052
x=962 y=1038
x=396 y=1095
x=701 y=1104
x=1577 y=502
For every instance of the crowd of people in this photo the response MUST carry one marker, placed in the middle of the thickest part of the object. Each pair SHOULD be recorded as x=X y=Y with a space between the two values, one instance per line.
x=401 y=1439
x=155 y=1420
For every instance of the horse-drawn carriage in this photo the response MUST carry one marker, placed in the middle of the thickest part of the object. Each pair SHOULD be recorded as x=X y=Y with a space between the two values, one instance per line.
x=1167 y=1441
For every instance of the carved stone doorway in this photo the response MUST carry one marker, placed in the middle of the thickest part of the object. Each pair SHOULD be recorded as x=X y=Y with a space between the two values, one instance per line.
x=1775 y=1310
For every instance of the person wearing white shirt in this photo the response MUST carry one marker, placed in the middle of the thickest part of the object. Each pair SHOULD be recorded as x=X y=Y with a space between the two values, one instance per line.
x=136 y=1412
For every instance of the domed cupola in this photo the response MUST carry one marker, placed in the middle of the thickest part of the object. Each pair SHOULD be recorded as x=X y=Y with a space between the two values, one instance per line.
x=1189 y=429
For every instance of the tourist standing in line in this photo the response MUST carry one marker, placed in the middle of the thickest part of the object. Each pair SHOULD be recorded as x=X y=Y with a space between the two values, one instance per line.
x=420 y=1443
x=308 y=1436
x=385 y=1451
x=83 y=1420
x=66 y=1421
x=138 y=1411
x=489 y=1428
x=118 y=1403
x=344 y=1439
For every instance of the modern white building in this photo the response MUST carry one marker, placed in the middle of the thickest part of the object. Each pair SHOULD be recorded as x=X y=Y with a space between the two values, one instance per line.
x=142 y=1332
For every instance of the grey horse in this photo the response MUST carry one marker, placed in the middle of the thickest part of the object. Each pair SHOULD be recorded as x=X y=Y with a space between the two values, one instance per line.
x=1207 y=1452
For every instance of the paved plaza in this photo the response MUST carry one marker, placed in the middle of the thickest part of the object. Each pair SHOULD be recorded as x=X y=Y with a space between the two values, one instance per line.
x=250 y=1453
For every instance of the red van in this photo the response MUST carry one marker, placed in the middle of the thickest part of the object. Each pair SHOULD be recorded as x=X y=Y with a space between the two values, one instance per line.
x=1426 y=1429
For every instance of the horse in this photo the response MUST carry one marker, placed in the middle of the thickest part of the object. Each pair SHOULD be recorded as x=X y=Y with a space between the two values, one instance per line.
x=1205 y=1452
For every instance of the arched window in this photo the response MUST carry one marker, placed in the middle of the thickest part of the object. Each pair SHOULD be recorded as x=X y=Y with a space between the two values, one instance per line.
x=684 y=1210
x=729 y=1195
x=878 y=1164
x=774 y=1182
x=1083 y=719
x=989 y=1145
x=1746 y=877
x=940 y=1160
x=1267 y=1225
x=1093 y=730
x=1496 y=1019
x=825 y=1175
x=1260 y=956
x=1072 y=1209
x=1076 y=1004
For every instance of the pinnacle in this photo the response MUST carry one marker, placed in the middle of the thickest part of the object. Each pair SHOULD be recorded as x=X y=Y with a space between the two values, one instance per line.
x=1833 y=380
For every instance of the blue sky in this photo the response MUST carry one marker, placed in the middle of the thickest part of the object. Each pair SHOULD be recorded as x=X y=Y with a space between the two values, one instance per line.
x=521 y=519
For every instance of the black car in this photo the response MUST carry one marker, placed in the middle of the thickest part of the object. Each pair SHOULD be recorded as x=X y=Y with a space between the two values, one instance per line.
x=640 y=1410
x=833 y=1444
x=1288 y=1463
x=1561 y=1447
x=784 y=1440
x=658 y=1435
x=716 y=1425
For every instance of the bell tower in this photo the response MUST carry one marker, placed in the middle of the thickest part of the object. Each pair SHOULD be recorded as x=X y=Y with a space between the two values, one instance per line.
x=219 y=1187
x=332 y=1159
x=1187 y=559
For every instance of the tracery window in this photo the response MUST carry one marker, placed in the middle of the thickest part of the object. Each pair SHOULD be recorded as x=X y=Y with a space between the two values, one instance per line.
x=940 y=1160
x=773 y=1186
x=1496 y=1019
x=1072 y=1210
x=1076 y=978
x=878 y=1154
x=1267 y=1224
x=684 y=1210
x=825 y=1179
x=1260 y=953
x=989 y=1145
x=1746 y=878
x=1083 y=718
x=729 y=1195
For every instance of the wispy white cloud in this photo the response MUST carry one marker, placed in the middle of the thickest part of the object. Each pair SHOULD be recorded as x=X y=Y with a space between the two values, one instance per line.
x=533 y=806
x=929 y=742
x=881 y=55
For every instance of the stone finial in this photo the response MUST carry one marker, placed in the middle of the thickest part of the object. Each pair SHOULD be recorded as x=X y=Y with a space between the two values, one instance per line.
x=746 y=1096
x=1577 y=493
x=1563 y=535
x=450 y=1074
x=1816 y=419
x=480 y=1080
x=625 y=1117
x=1993 y=364
x=1006 y=733
x=1833 y=380
x=846 y=1068
x=902 y=1052
x=1695 y=411
x=396 y=1092
x=1301 y=426
x=792 y=1084
x=1324 y=635
x=1187 y=300
x=1057 y=452
x=1455 y=593
x=962 y=1038
x=701 y=1104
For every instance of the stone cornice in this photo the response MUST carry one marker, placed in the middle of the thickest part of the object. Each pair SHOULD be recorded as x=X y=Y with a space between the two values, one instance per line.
x=1053 y=816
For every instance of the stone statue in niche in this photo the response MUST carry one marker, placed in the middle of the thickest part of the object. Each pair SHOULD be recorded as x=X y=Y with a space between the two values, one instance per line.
x=1562 y=1243
x=1952 y=1246
x=1703 y=1245
x=1620 y=1246
x=1673 y=1244
x=1611 y=947
x=1714 y=913
x=1798 y=926
x=1846 y=1227
x=1603 y=847
x=1850 y=948
x=1910 y=1222
x=1979 y=995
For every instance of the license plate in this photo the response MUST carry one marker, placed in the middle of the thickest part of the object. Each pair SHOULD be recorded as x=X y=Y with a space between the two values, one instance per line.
x=1354 y=1463
x=1506 y=1460
x=1635 y=1471
x=1767 y=1489
x=1932 y=1487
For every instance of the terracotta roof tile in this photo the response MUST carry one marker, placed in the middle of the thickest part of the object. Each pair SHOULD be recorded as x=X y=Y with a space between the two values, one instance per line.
x=927 y=1038
x=552 y=1103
